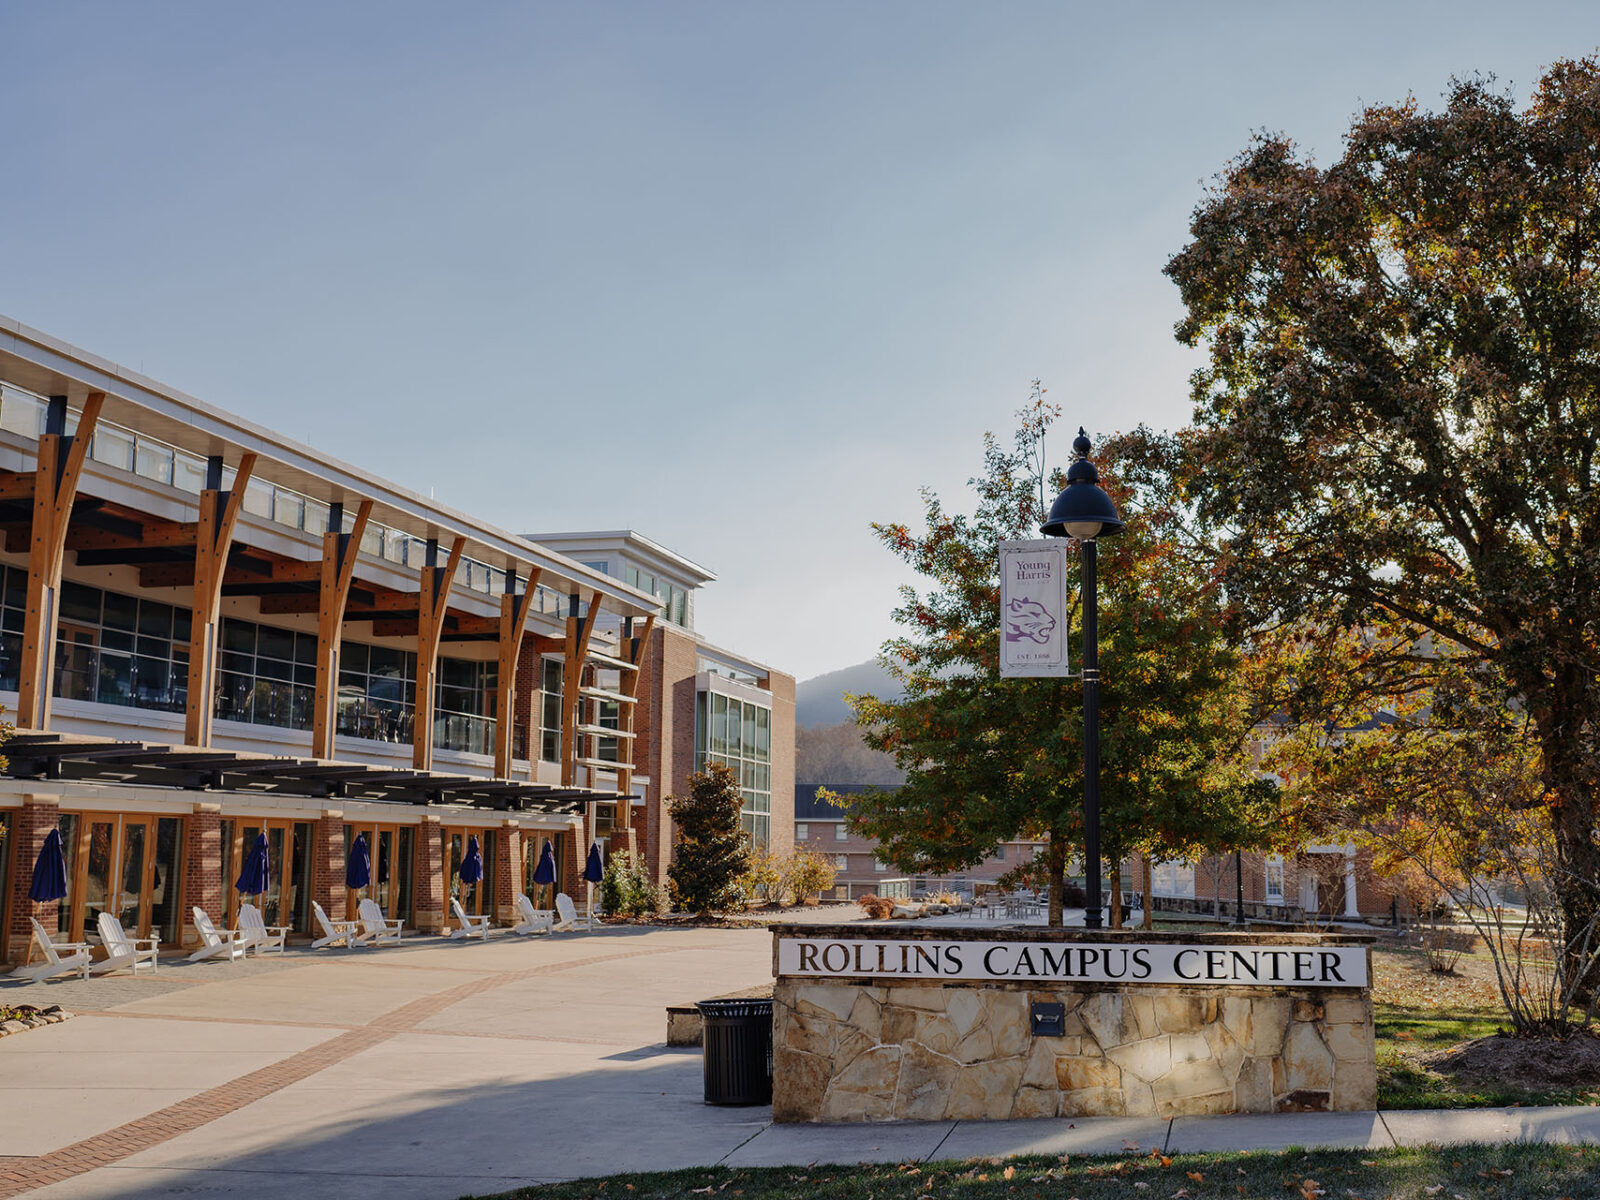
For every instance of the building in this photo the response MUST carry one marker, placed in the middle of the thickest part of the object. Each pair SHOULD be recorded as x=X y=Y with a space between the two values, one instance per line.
x=702 y=703
x=209 y=633
x=820 y=826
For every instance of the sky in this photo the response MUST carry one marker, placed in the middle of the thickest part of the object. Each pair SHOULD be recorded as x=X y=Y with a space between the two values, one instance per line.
x=745 y=277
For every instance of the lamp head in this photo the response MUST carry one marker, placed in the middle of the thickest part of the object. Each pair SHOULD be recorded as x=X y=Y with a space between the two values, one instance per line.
x=1082 y=510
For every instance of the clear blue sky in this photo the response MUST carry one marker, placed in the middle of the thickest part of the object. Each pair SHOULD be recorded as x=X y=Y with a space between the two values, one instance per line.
x=742 y=276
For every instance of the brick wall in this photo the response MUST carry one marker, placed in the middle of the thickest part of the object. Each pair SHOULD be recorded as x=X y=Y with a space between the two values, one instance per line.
x=203 y=885
x=782 y=688
x=31 y=824
x=429 y=904
x=328 y=868
x=507 y=872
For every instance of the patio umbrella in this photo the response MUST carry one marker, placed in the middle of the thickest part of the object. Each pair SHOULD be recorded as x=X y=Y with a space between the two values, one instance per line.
x=49 y=871
x=592 y=869
x=358 y=868
x=471 y=869
x=545 y=872
x=257 y=874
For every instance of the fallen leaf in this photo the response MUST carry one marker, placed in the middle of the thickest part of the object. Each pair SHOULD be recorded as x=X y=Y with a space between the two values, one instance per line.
x=1009 y=1173
x=1130 y=1146
x=1434 y=1190
x=1165 y=1161
x=1369 y=1162
x=1196 y=1176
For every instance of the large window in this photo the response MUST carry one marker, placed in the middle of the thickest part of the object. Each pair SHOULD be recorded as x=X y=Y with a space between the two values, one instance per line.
x=550 y=710
x=738 y=734
x=674 y=599
x=110 y=649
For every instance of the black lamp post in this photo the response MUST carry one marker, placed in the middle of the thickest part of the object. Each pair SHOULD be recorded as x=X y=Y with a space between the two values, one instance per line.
x=1084 y=511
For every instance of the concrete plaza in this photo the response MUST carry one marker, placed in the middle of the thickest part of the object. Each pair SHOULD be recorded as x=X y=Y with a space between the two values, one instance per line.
x=443 y=1068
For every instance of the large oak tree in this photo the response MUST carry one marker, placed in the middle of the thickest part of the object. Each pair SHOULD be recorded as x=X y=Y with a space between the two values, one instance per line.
x=1399 y=416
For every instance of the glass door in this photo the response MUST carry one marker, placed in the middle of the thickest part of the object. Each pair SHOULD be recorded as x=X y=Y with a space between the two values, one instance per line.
x=392 y=848
x=476 y=898
x=127 y=866
x=287 y=901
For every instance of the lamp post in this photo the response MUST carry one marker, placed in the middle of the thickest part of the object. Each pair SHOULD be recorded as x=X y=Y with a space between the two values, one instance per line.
x=1084 y=511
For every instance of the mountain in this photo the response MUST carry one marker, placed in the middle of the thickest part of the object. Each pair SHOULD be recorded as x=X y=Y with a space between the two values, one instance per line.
x=820 y=701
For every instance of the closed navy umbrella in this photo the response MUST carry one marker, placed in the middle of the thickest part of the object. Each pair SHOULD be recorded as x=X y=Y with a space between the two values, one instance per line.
x=545 y=872
x=358 y=868
x=472 y=862
x=257 y=874
x=593 y=871
x=49 y=871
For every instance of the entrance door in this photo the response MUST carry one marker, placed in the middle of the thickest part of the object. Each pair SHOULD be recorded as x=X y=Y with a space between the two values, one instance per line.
x=476 y=898
x=127 y=866
x=393 y=849
x=287 y=900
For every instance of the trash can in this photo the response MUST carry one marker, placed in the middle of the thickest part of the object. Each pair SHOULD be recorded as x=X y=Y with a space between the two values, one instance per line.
x=736 y=1042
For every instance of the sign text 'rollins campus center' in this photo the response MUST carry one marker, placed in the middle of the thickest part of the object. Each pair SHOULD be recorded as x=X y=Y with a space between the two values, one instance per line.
x=1233 y=965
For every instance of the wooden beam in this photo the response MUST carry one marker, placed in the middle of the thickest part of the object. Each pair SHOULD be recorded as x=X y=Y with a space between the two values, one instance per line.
x=633 y=649
x=579 y=632
x=337 y=572
x=514 y=612
x=432 y=601
x=17 y=485
x=55 y=487
x=165 y=534
x=219 y=514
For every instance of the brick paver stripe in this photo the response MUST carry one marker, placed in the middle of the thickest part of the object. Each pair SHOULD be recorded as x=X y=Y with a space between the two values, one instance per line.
x=19 y=1174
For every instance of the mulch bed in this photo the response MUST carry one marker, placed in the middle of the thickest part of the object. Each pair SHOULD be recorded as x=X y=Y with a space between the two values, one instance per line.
x=1530 y=1062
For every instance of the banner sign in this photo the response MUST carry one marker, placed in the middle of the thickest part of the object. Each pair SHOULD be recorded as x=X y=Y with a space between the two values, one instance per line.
x=1055 y=962
x=1033 y=608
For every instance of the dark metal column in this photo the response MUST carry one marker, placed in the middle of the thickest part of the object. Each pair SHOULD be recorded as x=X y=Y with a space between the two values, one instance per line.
x=1091 y=738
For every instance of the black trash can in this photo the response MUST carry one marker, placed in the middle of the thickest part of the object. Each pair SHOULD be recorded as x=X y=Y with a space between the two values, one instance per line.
x=736 y=1044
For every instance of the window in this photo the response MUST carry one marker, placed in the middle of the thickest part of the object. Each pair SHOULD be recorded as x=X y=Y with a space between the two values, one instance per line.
x=999 y=854
x=802 y=831
x=880 y=866
x=110 y=648
x=738 y=734
x=550 y=711
x=842 y=861
x=840 y=833
x=1274 y=879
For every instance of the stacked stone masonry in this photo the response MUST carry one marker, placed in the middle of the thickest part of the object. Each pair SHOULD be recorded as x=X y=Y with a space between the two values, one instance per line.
x=878 y=1050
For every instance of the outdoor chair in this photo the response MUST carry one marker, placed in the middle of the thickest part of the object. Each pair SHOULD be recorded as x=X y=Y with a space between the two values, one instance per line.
x=122 y=951
x=377 y=928
x=77 y=957
x=468 y=926
x=566 y=915
x=334 y=932
x=531 y=919
x=214 y=942
x=257 y=933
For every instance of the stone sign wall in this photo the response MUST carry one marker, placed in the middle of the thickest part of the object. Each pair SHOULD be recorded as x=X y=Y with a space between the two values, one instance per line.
x=877 y=1049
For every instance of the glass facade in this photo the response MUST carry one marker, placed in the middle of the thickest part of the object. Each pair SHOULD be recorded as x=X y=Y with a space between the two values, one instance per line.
x=550 y=711
x=674 y=600
x=738 y=734
x=116 y=649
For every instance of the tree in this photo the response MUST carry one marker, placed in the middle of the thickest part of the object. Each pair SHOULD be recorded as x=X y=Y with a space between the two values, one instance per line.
x=1399 y=416
x=712 y=853
x=987 y=759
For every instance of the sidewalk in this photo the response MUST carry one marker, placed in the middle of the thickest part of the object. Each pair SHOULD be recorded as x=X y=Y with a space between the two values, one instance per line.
x=444 y=1068
x=799 y=1145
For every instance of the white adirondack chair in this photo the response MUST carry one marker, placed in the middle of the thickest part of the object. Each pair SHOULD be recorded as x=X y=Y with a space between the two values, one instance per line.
x=531 y=919
x=214 y=942
x=566 y=914
x=377 y=928
x=334 y=932
x=256 y=934
x=124 y=953
x=77 y=957
x=468 y=926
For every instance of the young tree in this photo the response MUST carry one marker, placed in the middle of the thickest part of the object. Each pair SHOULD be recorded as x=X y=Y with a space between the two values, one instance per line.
x=990 y=759
x=1399 y=417
x=712 y=853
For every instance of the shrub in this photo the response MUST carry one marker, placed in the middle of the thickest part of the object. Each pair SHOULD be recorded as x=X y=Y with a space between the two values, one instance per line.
x=625 y=888
x=805 y=872
x=875 y=906
x=712 y=856
x=1445 y=947
x=763 y=879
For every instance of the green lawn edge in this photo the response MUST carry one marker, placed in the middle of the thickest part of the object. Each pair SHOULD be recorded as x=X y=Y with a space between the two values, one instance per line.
x=1470 y=1172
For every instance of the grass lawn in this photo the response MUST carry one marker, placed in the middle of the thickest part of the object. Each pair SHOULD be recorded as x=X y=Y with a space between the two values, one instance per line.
x=1465 y=1172
x=1419 y=1013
